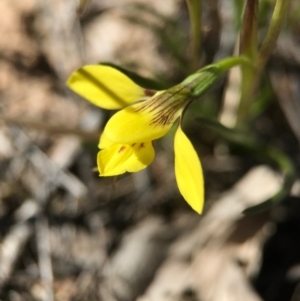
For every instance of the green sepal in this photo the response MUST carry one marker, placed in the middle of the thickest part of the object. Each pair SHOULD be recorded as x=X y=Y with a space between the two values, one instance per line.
x=205 y=78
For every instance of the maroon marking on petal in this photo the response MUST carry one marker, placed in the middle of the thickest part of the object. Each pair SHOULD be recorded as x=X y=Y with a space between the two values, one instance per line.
x=142 y=144
x=133 y=144
x=149 y=92
x=121 y=149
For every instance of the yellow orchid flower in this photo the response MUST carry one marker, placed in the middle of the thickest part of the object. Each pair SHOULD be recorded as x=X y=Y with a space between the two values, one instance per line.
x=145 y=115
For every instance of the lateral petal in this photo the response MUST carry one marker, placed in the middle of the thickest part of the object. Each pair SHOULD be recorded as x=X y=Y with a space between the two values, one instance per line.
x=105 y=87
x=143 y=155
x=104 y=142
x=145 y=121
x=118 y=158
x=188 y=171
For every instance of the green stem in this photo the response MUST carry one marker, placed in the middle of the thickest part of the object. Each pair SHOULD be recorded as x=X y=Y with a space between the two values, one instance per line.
x=279 y=15
x=238 y=10
x=251 y=79
x=224 y=65
x=248 y=48
x=248 y=41
x=194 y=9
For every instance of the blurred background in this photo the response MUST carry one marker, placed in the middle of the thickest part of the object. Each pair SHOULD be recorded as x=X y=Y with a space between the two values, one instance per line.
x=66 y=234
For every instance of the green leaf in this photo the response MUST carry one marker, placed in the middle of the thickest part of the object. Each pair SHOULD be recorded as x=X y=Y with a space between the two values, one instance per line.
x=255 y=148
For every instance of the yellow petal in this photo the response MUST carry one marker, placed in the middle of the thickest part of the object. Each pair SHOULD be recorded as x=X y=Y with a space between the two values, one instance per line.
x=143 y=156
x=104 y=142
x=118 y=158
x=105 y=86
x=188 y=171
x=145 y=121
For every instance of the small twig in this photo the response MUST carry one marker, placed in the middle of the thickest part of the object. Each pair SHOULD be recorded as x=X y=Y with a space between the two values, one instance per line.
x=44 y=259
x=53 y=176
x=12 y=245
x=42 y=126
x=11 y=248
